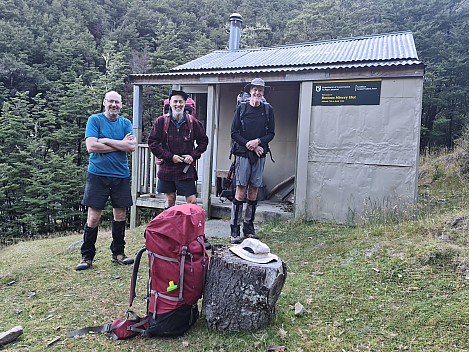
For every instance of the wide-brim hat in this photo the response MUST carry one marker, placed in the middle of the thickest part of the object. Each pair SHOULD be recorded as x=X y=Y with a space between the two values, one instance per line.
x=254 y=250
x=259 y=82
x=183 y=94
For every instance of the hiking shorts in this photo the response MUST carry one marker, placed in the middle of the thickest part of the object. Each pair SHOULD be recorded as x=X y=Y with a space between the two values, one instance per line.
x=182 y=188
x=98 y=189
x=247 y=174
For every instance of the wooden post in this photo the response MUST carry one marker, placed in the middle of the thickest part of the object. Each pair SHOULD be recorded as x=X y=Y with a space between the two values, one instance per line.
x=137 y=127
x=239 y=294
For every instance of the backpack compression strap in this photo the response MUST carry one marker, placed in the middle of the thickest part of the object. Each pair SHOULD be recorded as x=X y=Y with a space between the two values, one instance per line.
x=83 y=331
x=137 y=326
x=174 y=260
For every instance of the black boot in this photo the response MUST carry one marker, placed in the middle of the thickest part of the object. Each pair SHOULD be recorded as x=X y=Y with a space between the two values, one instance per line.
x=235 y=237
x=249 y=215
x=207 y=244
x=88 y=248
x=118 y=244
x=236 y=215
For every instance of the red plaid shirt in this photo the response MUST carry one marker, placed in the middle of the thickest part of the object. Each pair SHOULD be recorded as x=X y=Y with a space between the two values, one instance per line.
x=179 y=141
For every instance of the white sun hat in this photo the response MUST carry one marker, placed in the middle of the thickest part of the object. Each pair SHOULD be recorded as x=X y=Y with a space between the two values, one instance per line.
x=254 y=251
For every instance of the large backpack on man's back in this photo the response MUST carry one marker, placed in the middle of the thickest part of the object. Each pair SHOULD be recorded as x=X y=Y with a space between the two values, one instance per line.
x=189 y=108
x=229 y=183
x=242 y=100
x=178 y=263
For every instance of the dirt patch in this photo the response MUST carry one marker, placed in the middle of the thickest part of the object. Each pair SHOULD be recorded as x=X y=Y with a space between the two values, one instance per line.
x=456 y=231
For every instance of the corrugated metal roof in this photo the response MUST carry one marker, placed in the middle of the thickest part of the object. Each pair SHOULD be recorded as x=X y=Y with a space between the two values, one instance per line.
x=245 y=70
x=374 y=50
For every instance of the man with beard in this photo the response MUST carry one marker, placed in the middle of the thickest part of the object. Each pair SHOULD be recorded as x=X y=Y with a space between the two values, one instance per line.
x=172 y=141
x=253 y=127
x=109 y=137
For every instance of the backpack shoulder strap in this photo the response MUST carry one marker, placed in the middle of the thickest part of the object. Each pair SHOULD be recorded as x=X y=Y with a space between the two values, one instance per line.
x=166 y=123
x=242 y=112
x=133 y=280
x=267 y=109
x=138 y=326
x=190 y=121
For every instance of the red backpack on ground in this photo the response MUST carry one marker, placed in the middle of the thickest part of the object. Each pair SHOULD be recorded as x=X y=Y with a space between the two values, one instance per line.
x=178 y=263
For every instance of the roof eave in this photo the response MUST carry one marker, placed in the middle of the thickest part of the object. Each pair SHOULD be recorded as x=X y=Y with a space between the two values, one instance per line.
x=181 y=74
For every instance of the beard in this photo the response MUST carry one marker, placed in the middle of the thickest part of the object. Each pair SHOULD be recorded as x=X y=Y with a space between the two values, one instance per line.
x=112 y=114
x=178 y=114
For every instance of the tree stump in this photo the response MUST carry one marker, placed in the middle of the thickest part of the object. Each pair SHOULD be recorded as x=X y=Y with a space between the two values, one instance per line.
x=239 y=294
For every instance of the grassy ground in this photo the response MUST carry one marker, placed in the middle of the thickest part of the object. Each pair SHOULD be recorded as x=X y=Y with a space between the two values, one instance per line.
x=394 y=283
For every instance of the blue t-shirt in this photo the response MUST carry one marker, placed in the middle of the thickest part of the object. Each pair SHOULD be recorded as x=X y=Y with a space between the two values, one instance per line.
x=114 y=164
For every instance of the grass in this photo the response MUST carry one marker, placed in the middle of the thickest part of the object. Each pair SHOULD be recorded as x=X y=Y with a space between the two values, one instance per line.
x=400 y=283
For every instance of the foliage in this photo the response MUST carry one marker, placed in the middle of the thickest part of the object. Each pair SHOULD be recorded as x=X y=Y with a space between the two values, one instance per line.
x=36 y=190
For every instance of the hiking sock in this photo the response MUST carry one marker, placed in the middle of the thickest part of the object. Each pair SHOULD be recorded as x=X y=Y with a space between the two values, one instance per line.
x=118 y=233
x=88 y=248
x=236 y=212
x=249 y=216
x=236 y=215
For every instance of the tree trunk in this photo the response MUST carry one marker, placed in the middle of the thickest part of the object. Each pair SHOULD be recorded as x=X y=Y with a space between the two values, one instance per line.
x=241 y=295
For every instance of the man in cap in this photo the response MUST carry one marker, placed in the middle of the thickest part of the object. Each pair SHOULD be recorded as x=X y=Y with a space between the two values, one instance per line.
x=172 y=140
x=109 y=137
x=252 y=128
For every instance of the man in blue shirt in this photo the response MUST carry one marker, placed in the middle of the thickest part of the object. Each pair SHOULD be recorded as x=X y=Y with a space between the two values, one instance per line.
x=109 y=137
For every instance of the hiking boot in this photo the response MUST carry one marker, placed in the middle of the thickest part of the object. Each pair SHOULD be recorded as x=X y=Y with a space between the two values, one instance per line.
x=235 y=237
x=207 y=244
x=84 y=264
x=121 y=259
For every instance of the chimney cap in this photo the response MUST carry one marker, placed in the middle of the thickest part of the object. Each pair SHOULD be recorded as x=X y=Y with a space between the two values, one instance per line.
x=236 y=17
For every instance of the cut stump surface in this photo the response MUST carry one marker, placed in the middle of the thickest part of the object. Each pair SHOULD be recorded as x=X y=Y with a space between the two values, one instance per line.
x=239 y=294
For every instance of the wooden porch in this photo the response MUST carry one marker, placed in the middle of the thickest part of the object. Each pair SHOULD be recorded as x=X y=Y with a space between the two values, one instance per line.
x=144 y=181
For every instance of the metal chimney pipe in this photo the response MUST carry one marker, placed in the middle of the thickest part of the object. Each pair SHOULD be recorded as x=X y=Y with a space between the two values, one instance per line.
x=235 y=30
